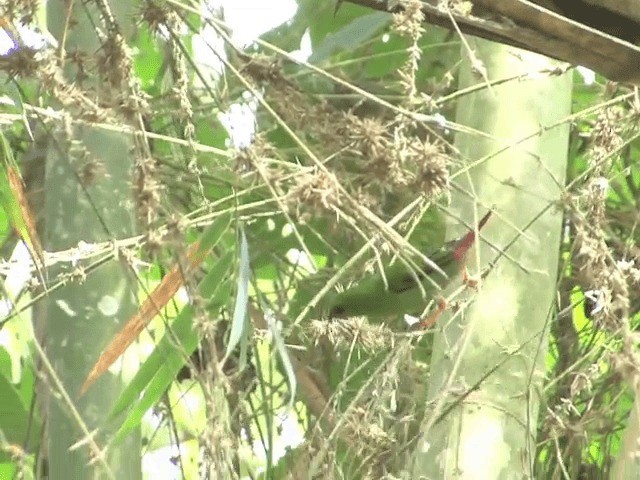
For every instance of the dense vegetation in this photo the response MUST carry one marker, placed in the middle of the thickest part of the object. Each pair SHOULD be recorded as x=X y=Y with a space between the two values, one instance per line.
x=214 y=197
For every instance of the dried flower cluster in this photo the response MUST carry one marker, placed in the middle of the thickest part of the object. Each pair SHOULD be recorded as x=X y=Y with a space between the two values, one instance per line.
x=369 y=438
x=316 y=189
x=599 y=270
x=24 y=11
x=581 y=405
x=373 y=157
x=594 y=261
x=606 y=137
x=155 y=15
x=398 y=162
x=148 y=190
x=23 y=62
x=344 y=334
x=458 y=7
x=166 y=22
x=432 y=176
x=408 y=21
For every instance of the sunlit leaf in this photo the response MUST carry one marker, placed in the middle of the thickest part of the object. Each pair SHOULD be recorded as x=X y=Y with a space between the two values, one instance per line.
x=157 y=299
x=239 y=321
x=169 y=355
x=14 y=202
x=283 y=353
x=350 y=36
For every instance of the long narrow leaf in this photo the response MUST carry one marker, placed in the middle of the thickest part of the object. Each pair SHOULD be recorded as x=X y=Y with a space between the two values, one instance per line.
x=169 y=368
x=180 y=341
x=239 y=322
x=281 y=348
x=157 y=299
x=14 y=202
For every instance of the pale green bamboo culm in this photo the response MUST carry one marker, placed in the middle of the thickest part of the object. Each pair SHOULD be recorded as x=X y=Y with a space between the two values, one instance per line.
x=82 y=316
x=488 y=363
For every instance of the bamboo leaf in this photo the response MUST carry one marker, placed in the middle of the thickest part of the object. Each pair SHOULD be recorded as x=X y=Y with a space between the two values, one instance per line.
x=239 y=322
x=281 y=348
x=14 y=202
x=156 y=300
x=180 y=340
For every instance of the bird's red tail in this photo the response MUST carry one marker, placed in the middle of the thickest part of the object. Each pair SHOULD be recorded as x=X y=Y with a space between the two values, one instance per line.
x=465 y=243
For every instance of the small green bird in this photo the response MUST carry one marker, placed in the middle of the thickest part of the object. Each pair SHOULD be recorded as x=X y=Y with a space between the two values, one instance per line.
x=402 y=294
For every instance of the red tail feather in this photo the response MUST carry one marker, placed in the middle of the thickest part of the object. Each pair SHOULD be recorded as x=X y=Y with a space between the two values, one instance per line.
x=466 y=242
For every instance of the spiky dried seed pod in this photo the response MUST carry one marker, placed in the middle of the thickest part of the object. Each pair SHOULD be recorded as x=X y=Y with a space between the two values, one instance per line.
x=316 y=189
x=21 y=62
x=432 y=175
x=155 y=15
x=369 y=136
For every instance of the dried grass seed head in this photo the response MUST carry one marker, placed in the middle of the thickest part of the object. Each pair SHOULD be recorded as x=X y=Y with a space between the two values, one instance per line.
x=92 y=170
x=343 y=334
x=155 y=14
x=627 y=361
x=153 y=243
x=22 y=10
x=263 y=69
x=114 y=61
x=408 y=21
x=314 y=120
x=432 y=169
x=598 y=270
x=260 y=150
x=316 y=189
x=606 y=136
x=457 y=7
x=148 y=190
x=367 y=136
x=22 y=62
x=366 y=432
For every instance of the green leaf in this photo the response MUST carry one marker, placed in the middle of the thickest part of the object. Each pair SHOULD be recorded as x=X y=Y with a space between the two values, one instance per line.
x=283 y=353
x=7 y=199
x=213 y=282
x=323 y=19
x=167 y=371
x=181 y=331
x=213 y=233
x=149 y=61
x=7 y=468
x=239 y=323
x=5 y=363
x=17 y=422
x=351 y=36
x=161 y=367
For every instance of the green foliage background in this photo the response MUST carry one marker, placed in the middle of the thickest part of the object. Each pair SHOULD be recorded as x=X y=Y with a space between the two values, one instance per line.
x=282 y=202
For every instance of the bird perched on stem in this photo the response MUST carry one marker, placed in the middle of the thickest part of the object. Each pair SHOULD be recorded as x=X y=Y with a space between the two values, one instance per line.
x=406 y=290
